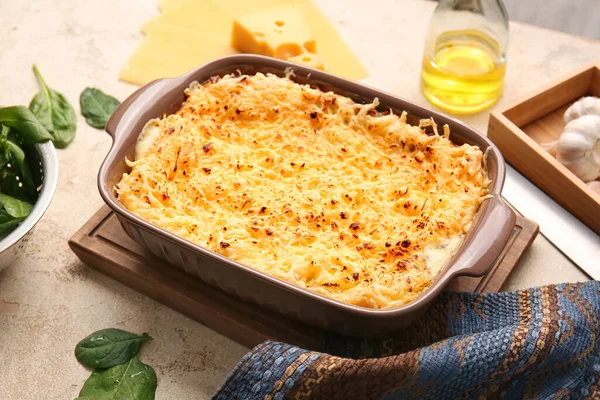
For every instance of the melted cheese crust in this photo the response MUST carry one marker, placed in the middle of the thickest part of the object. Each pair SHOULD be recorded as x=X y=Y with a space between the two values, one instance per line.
x=308 y=187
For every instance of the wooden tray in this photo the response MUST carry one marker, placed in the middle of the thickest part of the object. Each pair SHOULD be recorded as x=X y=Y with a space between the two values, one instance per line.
x=519 y=129
x=101 y=243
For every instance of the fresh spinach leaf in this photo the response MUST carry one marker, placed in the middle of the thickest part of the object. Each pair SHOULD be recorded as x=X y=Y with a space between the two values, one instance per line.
x=11 y=185
x=3 y=150
x=109 y=347
x=97 y=107
x=17 y=156
x=8 y=223
x=14 y=207
x=3 y=161
x=4 y=130
x=35 y=166
x=54 y=112
x=30 y=129
x=17 y=178
x=133 y=380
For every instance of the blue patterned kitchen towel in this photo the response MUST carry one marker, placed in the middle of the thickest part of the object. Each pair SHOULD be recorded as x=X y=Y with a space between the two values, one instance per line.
x=539 y=343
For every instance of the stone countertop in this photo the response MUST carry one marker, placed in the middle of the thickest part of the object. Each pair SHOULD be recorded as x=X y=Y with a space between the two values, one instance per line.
x=56 y=300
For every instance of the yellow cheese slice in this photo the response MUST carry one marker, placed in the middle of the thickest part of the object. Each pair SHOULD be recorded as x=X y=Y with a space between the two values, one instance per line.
x=215 y=18
x=169 y=52
x=205 y=16
x=238 y=7
x=166 y=5
x=335 y=53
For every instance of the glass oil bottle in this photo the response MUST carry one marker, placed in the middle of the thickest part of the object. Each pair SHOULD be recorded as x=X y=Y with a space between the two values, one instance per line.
x=464 y=62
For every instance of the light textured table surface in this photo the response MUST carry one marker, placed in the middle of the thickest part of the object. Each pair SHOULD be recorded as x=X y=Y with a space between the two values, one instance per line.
x=58 y=300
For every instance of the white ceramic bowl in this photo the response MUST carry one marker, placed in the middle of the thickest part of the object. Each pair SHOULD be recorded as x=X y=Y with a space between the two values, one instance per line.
x=12 y=246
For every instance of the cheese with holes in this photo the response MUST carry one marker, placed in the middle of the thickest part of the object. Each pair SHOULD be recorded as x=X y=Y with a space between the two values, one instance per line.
x=214 y=19
x=309 y=59
x=307 y=186
x=277 y=32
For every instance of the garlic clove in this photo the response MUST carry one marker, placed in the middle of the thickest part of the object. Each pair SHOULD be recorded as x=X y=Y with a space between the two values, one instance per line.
x=578 y=148
x=584 y=106
x=550 y=147
x=594 y=185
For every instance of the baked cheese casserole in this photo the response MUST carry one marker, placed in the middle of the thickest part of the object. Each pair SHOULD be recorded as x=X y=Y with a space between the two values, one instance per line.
x=308 y=186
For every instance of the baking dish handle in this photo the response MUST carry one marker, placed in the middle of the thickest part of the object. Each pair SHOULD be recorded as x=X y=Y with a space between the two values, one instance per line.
x=487 y=244
x=121 y=116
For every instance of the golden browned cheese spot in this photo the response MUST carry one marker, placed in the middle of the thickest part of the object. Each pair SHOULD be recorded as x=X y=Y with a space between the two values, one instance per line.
x=307 y=186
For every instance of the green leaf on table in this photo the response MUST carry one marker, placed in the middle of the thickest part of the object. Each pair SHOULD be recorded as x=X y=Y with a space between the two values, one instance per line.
x=30 y=129
x=54 y=112
x=17 y=157
x=133 y=380
x=14 y=207
x=97 y=107
x=109 y=347
x=8 y=223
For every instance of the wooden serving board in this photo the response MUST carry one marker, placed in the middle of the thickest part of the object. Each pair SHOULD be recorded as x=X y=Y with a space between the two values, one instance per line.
x=101 y=243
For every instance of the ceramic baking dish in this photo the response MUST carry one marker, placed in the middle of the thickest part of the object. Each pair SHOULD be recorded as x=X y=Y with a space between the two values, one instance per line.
x=489 y=234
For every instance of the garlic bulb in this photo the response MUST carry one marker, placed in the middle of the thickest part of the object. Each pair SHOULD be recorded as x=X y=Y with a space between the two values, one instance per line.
x=595 y=186
x=584 y=106
x=578 y=148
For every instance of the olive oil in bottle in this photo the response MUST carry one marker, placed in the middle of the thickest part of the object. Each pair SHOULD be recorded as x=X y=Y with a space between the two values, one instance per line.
x=463 y=69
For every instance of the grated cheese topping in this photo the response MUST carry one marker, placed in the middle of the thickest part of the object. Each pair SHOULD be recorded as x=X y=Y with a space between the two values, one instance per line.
x=308 y=186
